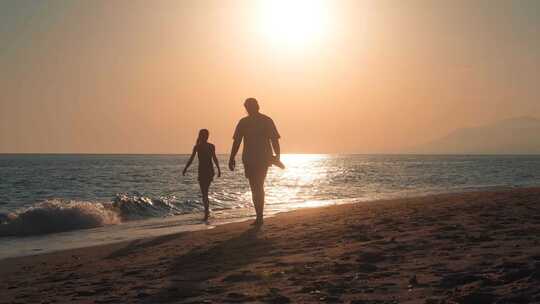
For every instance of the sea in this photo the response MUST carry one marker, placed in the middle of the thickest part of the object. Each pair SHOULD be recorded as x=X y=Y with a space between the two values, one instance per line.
x=51 y=202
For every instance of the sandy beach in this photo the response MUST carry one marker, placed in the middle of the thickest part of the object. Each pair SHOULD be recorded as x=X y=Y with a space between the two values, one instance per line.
x=480 y=247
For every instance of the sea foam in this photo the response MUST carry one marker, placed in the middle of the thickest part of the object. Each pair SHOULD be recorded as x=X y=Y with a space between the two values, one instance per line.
x=59 y=215
x=56 y=216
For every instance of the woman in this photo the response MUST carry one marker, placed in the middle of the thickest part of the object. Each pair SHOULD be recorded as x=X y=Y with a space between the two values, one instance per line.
x=206 y=152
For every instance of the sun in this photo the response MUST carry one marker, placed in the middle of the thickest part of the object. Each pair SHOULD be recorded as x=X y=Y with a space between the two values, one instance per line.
x=294 y=23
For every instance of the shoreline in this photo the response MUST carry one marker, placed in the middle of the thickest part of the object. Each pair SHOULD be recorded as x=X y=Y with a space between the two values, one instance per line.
x=343 y=253
x=187 y=223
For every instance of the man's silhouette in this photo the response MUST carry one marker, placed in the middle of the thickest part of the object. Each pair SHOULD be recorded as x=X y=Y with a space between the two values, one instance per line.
x=261 y=141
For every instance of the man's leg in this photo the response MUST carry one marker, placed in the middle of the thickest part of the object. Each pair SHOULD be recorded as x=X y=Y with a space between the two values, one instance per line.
x=256 y=183
x=253 y=184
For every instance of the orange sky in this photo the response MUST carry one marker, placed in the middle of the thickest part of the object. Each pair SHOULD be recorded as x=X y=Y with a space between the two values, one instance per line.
x=143 y=77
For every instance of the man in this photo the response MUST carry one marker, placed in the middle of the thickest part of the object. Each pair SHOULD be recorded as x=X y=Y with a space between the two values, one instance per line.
x=261 y=141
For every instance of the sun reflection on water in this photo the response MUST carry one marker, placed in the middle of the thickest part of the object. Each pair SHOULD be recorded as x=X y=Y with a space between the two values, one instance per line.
x=302 y=175
x=303 y=168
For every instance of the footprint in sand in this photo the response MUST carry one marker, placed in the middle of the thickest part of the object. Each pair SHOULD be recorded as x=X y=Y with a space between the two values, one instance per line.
x=237 y=297
x=246 y=276
x=367 y=268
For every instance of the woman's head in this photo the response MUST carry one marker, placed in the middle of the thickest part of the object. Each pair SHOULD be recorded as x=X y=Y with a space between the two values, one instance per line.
x=203 y=136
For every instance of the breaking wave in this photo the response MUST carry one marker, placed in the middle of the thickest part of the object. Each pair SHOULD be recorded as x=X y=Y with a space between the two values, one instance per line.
x=59 y=215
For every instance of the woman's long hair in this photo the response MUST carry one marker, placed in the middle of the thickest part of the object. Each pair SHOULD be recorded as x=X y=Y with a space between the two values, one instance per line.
x=203 y=136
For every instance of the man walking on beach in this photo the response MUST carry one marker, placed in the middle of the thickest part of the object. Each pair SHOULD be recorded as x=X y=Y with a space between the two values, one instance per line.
x=261 y=141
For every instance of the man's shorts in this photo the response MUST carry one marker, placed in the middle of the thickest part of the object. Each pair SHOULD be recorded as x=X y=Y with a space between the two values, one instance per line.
x=256 y=170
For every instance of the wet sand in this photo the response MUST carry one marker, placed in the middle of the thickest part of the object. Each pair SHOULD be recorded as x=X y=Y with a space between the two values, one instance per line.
x=481 y=247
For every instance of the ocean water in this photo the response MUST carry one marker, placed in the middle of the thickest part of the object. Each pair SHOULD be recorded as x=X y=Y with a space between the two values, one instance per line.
x=54 y=202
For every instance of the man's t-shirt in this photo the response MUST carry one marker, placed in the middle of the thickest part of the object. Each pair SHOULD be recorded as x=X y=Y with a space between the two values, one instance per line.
x=256 y=131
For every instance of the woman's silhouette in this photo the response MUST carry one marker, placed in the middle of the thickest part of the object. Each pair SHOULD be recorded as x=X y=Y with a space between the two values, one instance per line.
x=206 y=152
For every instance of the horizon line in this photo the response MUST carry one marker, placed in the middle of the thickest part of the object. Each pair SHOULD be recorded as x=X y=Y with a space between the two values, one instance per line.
x=320 y=153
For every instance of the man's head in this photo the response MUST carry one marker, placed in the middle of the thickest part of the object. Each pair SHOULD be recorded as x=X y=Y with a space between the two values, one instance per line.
x=252 y=106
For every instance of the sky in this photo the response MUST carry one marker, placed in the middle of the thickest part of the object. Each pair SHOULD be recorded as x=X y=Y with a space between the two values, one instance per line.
x=343 y=76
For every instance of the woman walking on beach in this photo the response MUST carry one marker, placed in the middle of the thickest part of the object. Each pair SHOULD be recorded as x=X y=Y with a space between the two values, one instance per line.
x=206 y=152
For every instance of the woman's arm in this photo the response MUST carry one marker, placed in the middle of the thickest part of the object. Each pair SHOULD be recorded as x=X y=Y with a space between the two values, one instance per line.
x=190 y=160
x=214 y=157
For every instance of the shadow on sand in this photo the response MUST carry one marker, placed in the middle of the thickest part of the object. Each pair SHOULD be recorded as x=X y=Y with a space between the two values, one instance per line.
x=191 y=275
x=140 y=245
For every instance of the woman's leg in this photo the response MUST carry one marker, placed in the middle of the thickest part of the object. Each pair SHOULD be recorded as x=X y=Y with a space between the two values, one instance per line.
x=205 y=185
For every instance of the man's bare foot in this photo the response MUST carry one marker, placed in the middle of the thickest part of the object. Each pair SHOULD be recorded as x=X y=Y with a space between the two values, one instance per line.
x=257 y=222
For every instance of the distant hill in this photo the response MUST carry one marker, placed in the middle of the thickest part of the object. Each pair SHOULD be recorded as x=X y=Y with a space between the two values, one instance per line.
x=512 y=136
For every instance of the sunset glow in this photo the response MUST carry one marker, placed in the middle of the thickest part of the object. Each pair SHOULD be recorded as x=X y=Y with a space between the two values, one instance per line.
x=296 y=23
x=341 y=76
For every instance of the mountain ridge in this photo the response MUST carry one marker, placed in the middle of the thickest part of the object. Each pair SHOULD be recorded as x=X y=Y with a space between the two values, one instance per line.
x=517 y=135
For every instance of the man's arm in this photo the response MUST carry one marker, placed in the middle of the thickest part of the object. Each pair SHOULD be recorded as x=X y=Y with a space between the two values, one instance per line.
x=237 y=137
x=276 y=147
x=274 y=139
x=234 y=151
